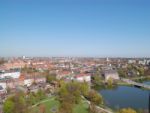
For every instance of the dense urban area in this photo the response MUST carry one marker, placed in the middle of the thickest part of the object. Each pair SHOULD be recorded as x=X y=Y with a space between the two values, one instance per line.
x=67 y=85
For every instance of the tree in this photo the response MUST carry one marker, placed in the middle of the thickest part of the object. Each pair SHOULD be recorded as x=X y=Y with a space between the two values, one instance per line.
x=40 y=95
x=122 y=73
x=96 y=79
x=70 y=94
x=8 y=90
x=66 y=107
x=16 y=104
x=84 y=88
x=141 y=71
x=20 y=103
x=110 y=82
x=92 y=108
x=8 y=106
x=50 y=77
x=128 y=110
x=95 y=98
x=31 y=100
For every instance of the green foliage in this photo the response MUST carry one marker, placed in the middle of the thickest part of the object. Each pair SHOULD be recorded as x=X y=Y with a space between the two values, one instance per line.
x=70 y=94
x=110 y=82
x=35 y=97
x=66 y=107
x=95 y=98
x=17 y=104
x=122 y=73
x=141 y=71
x=128 y=110
x=31 y=100
x=50 y=77
x=28 y=70
x=96 y=79
x=84 y=88
x=135 y=68
x=8 y=106
x=40 y=95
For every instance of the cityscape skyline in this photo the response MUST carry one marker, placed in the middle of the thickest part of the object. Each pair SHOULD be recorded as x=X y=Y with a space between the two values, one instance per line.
x=75 y=28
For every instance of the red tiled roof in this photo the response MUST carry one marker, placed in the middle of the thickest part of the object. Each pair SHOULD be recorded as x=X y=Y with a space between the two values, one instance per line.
x=81 y=75
x=21 y=78
x=64 y=73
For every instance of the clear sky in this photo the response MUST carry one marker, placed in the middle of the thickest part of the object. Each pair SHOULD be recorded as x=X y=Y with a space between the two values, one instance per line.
x=98 y=28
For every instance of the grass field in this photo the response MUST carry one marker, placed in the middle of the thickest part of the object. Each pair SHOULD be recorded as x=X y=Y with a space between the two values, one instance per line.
x=52 y=105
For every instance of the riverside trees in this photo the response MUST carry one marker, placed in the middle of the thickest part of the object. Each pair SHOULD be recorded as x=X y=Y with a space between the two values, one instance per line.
x=71 y=94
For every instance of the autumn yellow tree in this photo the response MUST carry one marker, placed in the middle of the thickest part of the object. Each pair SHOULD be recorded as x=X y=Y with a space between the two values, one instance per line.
x=127 y=110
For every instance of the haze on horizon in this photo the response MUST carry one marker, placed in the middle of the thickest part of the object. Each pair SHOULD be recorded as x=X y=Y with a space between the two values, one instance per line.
x=97 y=28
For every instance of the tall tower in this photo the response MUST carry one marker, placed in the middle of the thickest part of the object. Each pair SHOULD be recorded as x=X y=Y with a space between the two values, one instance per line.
x=107 y=60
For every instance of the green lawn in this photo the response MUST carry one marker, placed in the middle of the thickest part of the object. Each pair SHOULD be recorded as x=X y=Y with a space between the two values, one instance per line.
x=81 y=108
x=53 y=104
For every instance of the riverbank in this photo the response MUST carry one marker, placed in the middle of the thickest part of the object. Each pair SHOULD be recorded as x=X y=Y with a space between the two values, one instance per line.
x=140 y=79
x=126 y=96
x=123 y=95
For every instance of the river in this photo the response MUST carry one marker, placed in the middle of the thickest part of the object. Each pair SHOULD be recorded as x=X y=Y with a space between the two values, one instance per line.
x=125 y=97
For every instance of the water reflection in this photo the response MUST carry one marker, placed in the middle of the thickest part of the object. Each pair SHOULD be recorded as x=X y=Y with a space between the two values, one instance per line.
x=124 y=97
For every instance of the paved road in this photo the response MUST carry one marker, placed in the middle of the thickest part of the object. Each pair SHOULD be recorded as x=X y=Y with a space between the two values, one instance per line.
x=135 y=83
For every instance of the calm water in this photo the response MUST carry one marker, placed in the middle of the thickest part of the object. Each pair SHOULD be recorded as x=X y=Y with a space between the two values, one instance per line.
x=124 y=97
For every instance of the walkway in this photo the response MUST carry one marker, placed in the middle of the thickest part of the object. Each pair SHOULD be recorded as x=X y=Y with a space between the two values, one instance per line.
x=136 y=83
x=98 y=107
x=42 y=102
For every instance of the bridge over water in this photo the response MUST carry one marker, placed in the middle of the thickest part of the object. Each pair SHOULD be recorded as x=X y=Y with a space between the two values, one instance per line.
x=136 y=83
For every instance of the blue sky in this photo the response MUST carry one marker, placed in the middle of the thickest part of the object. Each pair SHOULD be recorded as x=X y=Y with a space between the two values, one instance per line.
x=98 y=28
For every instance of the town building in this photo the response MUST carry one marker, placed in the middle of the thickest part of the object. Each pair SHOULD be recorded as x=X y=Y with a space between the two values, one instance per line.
x=12 y=74
x=113 y=74
x=83 y=78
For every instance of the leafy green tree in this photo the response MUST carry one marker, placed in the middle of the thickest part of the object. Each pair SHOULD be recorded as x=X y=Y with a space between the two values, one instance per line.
x=122 y=73
x=17 y=104
x=110 y=82
x=40 y=95
x=141 y=71
x=96 y=79
x=8 y=106
x=70 y=94
x=31 y=100
x=50 y=76
x=84 y=88
x=95 y=98
x=20 y=103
